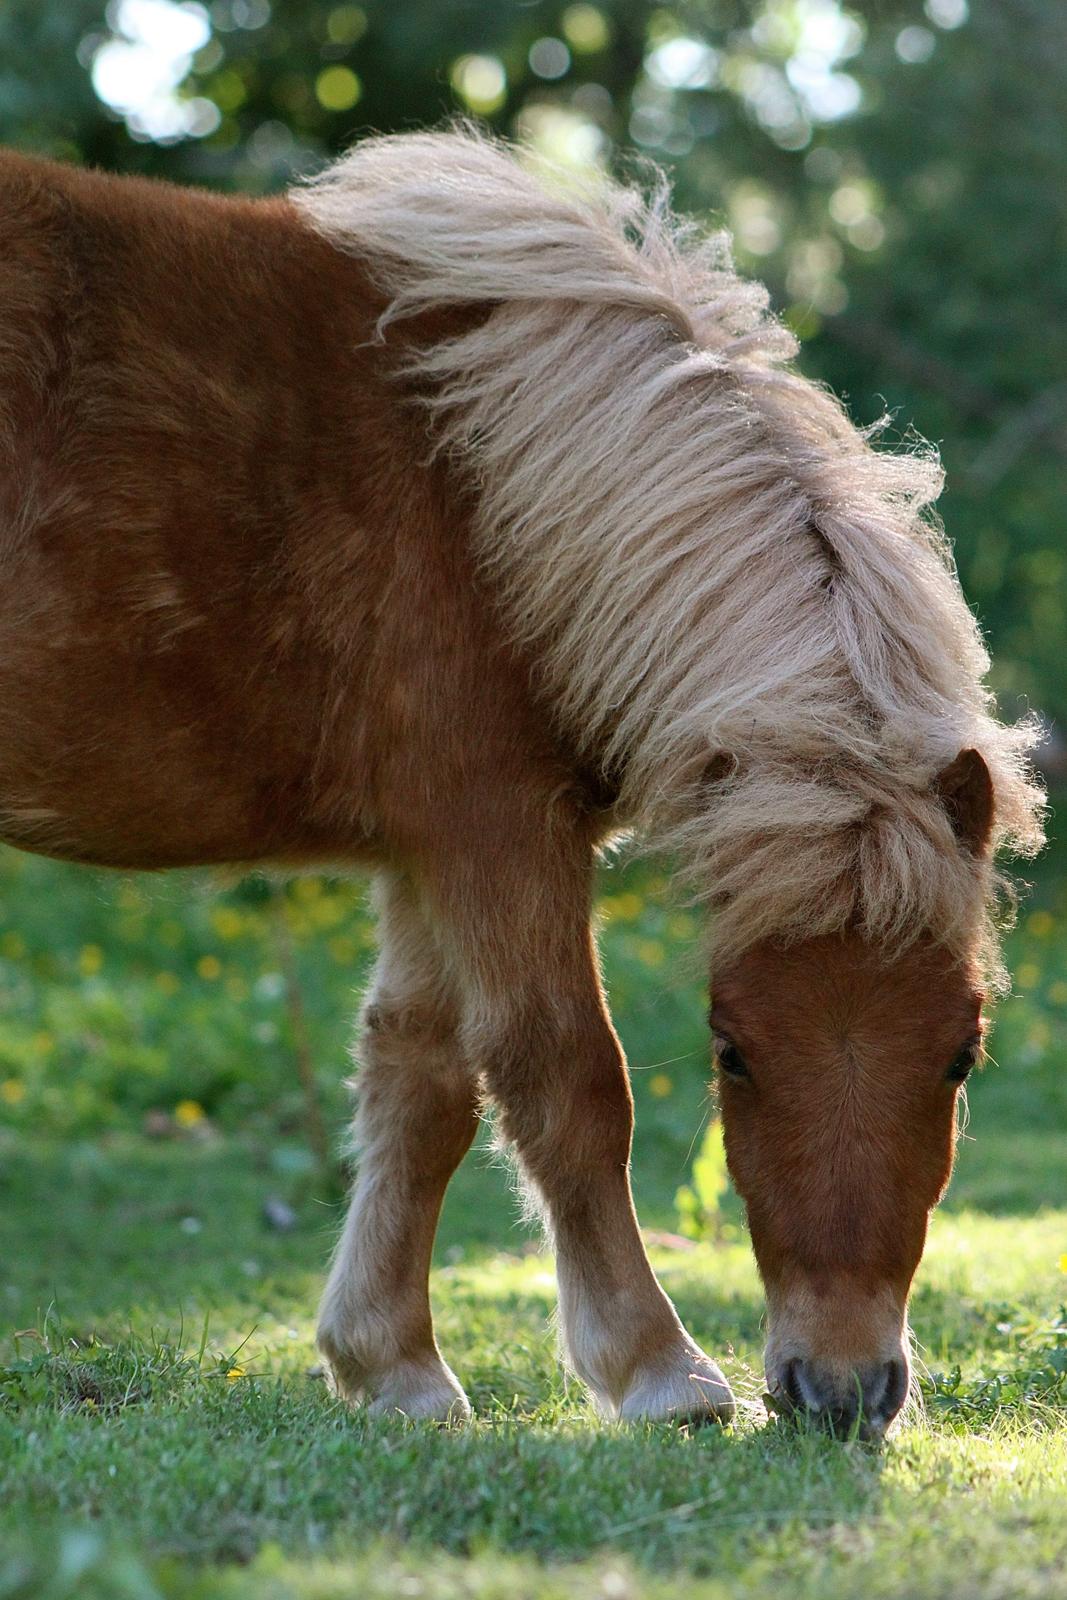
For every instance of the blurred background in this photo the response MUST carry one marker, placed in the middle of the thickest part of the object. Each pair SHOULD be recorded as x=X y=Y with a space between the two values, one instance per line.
x=896 y=171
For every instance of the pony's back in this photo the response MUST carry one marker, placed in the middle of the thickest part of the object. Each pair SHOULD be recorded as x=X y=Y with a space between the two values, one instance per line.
x=215 y=506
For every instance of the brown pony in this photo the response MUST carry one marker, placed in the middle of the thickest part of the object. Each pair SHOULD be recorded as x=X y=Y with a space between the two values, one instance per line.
x=445 y=520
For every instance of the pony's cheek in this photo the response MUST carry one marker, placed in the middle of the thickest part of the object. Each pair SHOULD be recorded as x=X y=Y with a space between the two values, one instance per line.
x=740 y=1139
x=935 y=1148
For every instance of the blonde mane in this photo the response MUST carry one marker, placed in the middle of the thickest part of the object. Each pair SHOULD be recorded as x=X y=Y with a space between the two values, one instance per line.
x=742 y=612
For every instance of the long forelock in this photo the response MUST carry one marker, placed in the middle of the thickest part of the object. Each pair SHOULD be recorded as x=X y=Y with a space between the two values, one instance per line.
x=740 y=607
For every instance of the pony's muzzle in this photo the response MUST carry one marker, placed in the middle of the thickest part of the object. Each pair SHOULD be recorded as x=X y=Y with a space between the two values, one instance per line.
x=857 y=1403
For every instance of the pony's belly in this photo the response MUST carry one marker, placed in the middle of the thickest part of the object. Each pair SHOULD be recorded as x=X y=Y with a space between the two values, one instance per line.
x=107 y=760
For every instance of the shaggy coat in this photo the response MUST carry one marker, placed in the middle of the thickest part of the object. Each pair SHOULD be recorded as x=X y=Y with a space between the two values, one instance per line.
x=446 y=519
x=738 y=611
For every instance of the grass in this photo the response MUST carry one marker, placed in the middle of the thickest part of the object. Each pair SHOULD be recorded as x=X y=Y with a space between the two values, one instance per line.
x=162 y=1429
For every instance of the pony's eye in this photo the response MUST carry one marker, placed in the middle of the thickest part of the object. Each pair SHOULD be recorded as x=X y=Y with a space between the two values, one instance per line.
x=730 y=1059
x=960 y=1069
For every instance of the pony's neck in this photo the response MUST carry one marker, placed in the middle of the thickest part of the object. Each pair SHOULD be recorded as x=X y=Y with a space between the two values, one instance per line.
x=707 y=562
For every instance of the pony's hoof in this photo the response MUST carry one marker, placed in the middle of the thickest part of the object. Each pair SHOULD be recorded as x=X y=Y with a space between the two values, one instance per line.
x=421 y=1391
x=687 y=1387
x=422 y=1394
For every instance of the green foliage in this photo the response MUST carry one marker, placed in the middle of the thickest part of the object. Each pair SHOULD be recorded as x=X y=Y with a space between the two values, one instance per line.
x=77 y=1564
x=700 y=1203
x=127 y=997
x=97 y=1378
x=1036 y=1384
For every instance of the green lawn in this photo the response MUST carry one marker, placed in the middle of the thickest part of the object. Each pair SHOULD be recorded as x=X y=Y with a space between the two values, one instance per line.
x=162 y=1429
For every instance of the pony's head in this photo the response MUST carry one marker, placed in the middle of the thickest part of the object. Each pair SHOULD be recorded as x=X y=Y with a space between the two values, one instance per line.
x=840 y=1064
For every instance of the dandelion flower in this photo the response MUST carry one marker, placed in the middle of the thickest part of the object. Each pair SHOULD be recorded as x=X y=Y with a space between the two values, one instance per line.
x=91 y=960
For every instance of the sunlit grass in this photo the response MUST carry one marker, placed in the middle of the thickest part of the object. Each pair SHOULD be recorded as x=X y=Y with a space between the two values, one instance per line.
x=168 y=1400
x=164 y=1431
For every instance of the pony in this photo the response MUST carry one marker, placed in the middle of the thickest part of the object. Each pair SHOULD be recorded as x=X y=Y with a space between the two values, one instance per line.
x=447 y=520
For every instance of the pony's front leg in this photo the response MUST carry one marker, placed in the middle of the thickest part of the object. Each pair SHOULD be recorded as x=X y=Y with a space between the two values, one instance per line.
x=553 y=1065
x=417 y=1117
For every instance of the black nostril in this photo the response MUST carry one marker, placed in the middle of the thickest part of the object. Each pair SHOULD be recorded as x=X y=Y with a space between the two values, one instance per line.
x=791 y=1386
x=894 y=1392
x=813 y=1395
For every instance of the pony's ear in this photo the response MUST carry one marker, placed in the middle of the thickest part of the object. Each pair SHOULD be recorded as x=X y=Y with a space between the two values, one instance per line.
x=966 y=791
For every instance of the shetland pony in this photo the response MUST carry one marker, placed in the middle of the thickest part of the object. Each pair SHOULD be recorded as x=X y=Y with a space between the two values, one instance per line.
x=438 y=519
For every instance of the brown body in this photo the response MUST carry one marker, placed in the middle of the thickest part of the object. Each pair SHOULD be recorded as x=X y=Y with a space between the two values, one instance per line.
x=240 y=621
x=220 y=539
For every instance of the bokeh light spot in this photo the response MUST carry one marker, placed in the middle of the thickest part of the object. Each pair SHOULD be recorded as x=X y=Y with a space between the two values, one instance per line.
x=481 y=82
x=915 y=45
x=346 y=24
x=947 y=13
x=337 y=88
x=586 y=29
x=549 y=58
x=139 y=69
x=683 y=64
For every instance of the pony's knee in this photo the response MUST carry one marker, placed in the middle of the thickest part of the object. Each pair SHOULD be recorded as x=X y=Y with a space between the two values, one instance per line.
x=562 y=1093
x=408 y=1019
x=413 y=1085
x=417 y=1033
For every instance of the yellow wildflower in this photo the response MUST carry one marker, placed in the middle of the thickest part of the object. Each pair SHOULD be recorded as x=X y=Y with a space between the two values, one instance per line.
x=328 y=912
x=187 y=1113
x=91 y=960
x=209 y=967
x=227 y=923
x=660 y=1085
x=234 y=1373
x=1040 y=1035
x=12 y=1090
x=622 y=907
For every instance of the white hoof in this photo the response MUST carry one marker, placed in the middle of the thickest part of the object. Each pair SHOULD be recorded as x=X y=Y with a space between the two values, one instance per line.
x=684 y=1385
x=422 y=1391
x=429 y=1393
